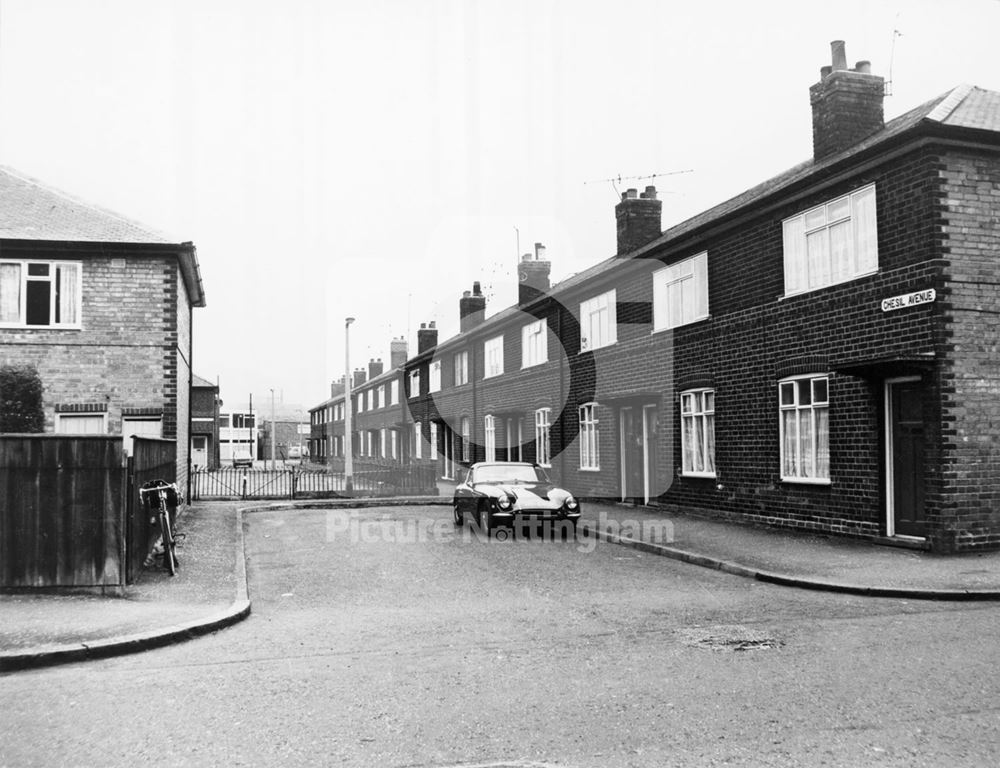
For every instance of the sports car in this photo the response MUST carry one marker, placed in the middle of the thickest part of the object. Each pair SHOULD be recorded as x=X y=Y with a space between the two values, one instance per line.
x=506 y=495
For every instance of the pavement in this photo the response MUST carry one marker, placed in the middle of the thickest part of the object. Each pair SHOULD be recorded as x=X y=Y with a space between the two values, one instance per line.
x=210 y=590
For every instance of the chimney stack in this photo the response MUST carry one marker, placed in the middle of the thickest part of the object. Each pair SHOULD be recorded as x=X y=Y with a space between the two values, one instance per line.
x=359 y=378
x=471 y=308
x=398 y=352
x=846 y=104
x=427 y=337
x=638 y=219
x=533 y=275
x=336 y=388
x=374 y=368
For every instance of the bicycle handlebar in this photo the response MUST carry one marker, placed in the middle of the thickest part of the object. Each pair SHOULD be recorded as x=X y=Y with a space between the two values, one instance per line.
x=161 y=486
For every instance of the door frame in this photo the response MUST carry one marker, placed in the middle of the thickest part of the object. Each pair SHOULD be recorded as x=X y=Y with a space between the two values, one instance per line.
x=890 y=489
x=638 y=410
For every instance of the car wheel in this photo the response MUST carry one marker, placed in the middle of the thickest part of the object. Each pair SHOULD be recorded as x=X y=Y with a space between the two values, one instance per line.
x=459 y=517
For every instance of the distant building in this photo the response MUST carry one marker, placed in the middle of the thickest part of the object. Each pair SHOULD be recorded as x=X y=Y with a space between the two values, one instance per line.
x=205 y=404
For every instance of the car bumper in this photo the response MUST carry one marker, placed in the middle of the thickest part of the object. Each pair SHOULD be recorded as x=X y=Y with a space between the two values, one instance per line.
x=527 y=516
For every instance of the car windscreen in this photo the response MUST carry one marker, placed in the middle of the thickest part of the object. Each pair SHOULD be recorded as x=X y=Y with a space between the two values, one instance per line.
x=508 y=474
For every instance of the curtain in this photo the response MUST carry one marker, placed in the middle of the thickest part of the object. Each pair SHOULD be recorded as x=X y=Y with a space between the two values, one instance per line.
x=69 y=285
x=822 y=442
x=10 y=293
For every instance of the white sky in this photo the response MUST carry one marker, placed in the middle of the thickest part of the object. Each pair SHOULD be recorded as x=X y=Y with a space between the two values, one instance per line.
x=374 y=158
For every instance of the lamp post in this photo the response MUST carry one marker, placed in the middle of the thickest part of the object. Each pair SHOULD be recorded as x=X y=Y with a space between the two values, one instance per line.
x=348 y=437
x=272 y=430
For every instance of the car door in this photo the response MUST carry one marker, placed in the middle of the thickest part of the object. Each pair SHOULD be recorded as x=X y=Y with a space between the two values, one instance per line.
x=466 y=495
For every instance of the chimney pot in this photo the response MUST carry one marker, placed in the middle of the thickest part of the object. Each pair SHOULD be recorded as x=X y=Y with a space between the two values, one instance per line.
x=839 y=54
x=632 y=193
x=650 y=192
x=433 y=324
x=423 y=325
x=824 y=72
x=864 y=67
x=526 y=257
x=466 y=294
x=539 y=252
x=476 y=289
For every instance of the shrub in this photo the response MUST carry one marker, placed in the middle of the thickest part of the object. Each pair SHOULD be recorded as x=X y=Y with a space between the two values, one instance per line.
x=21 y=399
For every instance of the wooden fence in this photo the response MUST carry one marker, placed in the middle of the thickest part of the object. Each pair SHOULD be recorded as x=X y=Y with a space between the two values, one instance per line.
x=70 y=514
x=61 y=505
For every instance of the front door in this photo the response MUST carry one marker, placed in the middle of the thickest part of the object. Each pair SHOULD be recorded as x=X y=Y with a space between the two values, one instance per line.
x=199 y=451
x=905 y=460
x=638 y=428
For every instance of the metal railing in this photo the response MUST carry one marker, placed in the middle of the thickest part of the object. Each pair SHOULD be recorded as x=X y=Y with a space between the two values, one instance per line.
x=297 y=483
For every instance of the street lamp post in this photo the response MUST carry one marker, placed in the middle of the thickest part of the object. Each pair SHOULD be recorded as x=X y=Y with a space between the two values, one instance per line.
x=273 y=467
x=348 y=437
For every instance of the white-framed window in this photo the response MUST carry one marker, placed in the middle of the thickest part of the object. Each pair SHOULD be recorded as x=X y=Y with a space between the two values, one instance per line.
x=680 y=293
x=804 y=408
x=81 y=423
x=434 y=440
x=393 y=444
x=383 y=443
x=598 y=321
x=543 y=444
x=534 y=344
x=370 y=398
x=461 y=368
x=590 y=452
x=40 y=294
x=490 y=432
x=380 y=396
x=466 y=439
x=418 y=441
x=831 y=243
x=414 y=382
x=394 y=392
x=434 y=376
x=493 y=355
x=698 y=432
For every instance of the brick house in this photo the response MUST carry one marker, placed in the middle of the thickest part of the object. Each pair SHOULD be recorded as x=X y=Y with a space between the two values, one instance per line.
x=377 y=412
x=205 y=404
x=816 y=353
x=102 y=307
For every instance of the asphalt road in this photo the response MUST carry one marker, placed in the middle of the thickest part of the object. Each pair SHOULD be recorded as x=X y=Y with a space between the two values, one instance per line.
x=375 y=642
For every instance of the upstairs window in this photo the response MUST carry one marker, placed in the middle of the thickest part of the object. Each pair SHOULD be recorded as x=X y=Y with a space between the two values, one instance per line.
x=598 y=321
x=434 y=377
x=493 y=355
x=461 y=368
x=394 y=392
x=534 y=344
x=466 y=439
x=680 y=293
x=831 y=243
x=414 y=383
x=380 y=397
x=804 y=407
x=40 y=294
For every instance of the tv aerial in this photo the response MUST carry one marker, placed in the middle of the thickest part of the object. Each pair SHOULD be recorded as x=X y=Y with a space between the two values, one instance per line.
x=616 y=180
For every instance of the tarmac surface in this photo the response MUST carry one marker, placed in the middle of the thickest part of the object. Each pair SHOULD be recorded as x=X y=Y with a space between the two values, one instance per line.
x=210 y=589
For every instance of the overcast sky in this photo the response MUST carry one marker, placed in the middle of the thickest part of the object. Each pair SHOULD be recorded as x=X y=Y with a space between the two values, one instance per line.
x=375 y=158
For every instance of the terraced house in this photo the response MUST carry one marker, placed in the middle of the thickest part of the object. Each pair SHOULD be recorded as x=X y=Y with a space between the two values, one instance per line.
x=818 y=352
x=102 y=307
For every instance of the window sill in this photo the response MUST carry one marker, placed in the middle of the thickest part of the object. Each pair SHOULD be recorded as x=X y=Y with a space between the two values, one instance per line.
x=828 y=285
x=594 y=349
x=700 y=475
x=682 y=325
x=533 y=365
x=590 y=469
x=807 y=480
x=18 y=327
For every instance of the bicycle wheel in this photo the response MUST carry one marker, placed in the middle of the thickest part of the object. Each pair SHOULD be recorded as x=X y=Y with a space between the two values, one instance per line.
x=169 y=557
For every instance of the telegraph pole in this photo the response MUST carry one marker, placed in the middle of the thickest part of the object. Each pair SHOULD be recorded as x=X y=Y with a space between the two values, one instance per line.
x=348 y=437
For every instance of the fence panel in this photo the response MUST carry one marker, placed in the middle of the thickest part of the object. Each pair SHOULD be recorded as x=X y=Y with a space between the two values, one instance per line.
x=152 y=459
x=61 y=511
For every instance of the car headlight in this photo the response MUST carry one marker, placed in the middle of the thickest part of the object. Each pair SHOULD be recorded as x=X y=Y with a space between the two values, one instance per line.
x=571 y=504
x=504 y=502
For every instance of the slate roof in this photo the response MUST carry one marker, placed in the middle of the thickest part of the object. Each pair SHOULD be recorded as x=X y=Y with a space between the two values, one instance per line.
x=198 y=381
x=31 y=210
x=963 y=107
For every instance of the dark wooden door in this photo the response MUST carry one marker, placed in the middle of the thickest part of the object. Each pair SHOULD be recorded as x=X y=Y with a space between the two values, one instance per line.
x=632 y=450
x=907 y=434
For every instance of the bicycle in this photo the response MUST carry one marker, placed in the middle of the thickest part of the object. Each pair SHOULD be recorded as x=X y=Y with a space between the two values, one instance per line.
x=165 y=497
